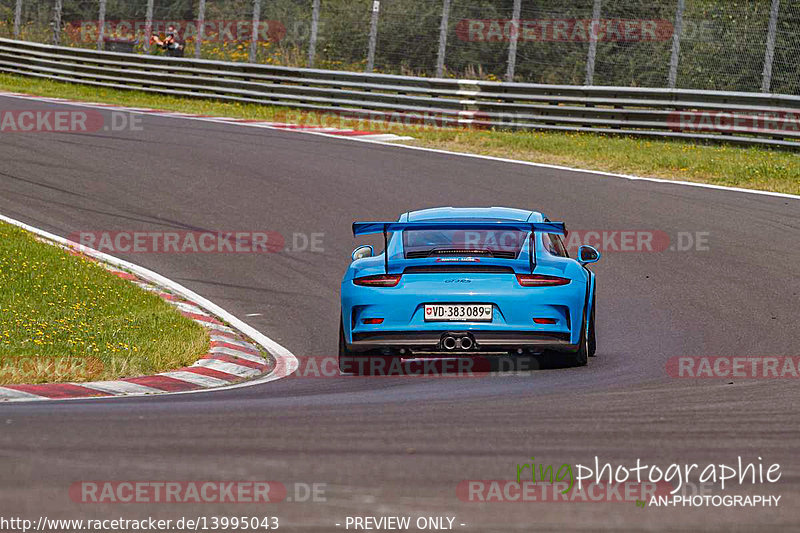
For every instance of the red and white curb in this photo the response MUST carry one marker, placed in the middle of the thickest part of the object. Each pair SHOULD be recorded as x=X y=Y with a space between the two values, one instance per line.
x=235 y=357
x=336 y=132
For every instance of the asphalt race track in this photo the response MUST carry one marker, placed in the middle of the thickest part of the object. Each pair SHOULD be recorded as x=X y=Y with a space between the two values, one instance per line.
x=401 y=446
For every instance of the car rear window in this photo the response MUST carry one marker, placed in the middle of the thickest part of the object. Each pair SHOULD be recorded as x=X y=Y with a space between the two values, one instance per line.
x=497 y=243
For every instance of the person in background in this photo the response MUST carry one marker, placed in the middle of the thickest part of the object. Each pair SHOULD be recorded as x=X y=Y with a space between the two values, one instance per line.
x=170 y=43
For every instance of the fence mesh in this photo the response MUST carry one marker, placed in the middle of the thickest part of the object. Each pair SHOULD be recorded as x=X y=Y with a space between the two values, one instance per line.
x=408 y=39
x=554 y=41
x=477 y=48
x=723 y=44
x=227 y=31
x=785 y=71
x=343 y=34
x=640 y=56
x=35 y=20
x=125 y=24
x=6 y=18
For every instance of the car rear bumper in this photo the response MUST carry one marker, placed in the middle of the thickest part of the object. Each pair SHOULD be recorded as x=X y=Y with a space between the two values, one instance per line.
x=484 y=341
x=401 y=321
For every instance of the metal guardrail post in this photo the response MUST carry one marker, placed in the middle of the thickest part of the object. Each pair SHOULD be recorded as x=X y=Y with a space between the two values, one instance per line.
x=769 y=55
x=676 y=44
x=512 y=47
x=312 y=41
x=58 y=8
x=443 y=38
x=373 y=35
x=101 y=24
x=254 y=36
x=148 y=27
x=17 y=18
x=593 y=32
x=201 y=28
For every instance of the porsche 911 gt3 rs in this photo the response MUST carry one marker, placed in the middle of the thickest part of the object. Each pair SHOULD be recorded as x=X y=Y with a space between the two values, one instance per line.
x=460 y=281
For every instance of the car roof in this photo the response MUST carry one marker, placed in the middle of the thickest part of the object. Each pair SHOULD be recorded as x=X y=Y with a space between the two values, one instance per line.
x=485 y=213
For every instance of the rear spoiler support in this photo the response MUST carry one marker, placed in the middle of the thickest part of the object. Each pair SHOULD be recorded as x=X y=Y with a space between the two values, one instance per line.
x=385 y=249
x=371 y=228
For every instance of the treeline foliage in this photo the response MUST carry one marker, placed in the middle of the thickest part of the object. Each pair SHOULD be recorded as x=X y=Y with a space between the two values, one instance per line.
x=723 y=42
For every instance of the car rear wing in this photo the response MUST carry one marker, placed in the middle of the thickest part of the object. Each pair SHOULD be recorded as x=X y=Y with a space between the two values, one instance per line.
x=372 y=228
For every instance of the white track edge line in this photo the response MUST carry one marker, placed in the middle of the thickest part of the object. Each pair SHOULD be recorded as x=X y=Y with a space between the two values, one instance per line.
x=432 y=150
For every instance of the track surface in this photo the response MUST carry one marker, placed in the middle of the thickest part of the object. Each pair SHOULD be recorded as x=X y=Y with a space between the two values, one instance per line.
x=400 y=446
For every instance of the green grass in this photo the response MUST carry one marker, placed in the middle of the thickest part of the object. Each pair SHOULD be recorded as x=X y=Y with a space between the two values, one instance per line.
x=66 y=318
x=752 y=167
x=732 y=166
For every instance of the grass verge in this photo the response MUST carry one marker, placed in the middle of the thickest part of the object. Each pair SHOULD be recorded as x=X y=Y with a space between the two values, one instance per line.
x=66 y=318
x=752 y=167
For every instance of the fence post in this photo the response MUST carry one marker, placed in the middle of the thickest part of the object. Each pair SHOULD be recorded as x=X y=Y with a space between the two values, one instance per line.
x=443 y=38
x=769 y=55
x=148 y=26
x=312 y=42
x=676 y=45
x=512 y=47
x=57 y=9
x=17 y=18
x=101 y=25
x=373 y=35
x=201 y=28
x=593 y=31
x=254 y=35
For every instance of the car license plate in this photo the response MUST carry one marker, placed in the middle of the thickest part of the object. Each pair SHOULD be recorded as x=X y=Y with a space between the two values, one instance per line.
x=458 y=312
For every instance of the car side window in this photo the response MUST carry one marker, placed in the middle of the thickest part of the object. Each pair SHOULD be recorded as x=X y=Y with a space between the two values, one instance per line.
x=548 y=244
x=555 y=245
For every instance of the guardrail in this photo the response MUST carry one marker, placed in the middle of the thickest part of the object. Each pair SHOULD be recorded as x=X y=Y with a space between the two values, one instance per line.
x=740 y=118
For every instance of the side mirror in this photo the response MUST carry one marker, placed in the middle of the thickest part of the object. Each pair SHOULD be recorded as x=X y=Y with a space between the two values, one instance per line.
x=588 y=254
x=363 y=251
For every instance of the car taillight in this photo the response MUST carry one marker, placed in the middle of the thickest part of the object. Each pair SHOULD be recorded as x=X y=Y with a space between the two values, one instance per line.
x=381 y=280
x=539 y=280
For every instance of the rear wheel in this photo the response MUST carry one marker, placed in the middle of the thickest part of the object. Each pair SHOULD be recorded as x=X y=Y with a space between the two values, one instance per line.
x=592 y=333
x=581 y=356
x=348 y=360
x=364 y=363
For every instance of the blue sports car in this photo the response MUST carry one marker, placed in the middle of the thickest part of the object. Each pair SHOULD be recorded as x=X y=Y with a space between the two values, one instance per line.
x=462 y=281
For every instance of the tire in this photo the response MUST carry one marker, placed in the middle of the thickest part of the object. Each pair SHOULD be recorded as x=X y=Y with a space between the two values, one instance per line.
x=592 y=331
x=362 y=363
x=581 y=356
x=348 y=361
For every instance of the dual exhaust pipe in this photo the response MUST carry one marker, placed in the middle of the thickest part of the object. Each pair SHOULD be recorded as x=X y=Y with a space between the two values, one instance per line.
x=451 y=342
